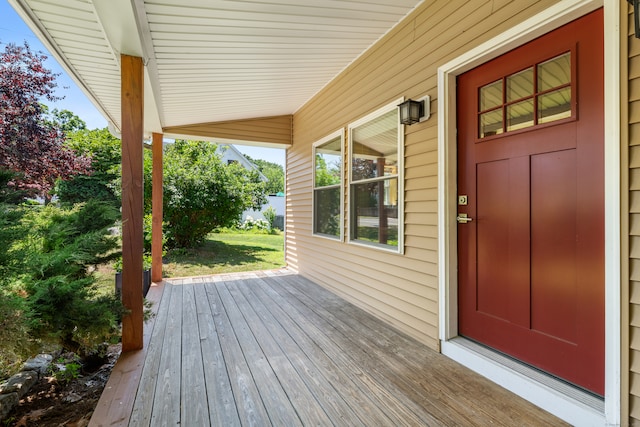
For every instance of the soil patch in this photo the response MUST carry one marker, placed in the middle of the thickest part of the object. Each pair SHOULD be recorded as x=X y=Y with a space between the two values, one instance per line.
x=51 y=403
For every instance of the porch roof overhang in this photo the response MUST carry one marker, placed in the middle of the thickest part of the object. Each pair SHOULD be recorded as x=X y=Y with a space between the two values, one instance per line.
x=213 y=68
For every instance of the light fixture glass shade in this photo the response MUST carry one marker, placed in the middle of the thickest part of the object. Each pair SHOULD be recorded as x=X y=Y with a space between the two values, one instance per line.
x=411 y=111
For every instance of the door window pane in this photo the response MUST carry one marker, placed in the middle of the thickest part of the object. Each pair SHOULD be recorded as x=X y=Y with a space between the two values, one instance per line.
x=554 y=73
x=491 y=123
x=554 y=105
x=491 y=96
x=520 y=85
x=520 y=115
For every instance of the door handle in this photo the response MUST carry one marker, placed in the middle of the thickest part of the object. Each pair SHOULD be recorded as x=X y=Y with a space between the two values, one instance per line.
x=463 y=218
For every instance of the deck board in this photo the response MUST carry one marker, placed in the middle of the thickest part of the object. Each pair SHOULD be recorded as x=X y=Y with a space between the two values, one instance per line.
x=308 y=408
x=194 y=406
x=166 y=401
x=249 y=404
x=373 y=403
x=141 y=413
x=291 y=342
x=273 y=348
x=271 y=388
x=219 y=392
x=357 y=361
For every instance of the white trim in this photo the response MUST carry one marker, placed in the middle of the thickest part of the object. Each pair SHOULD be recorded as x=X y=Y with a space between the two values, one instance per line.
x=551 y=18
x=334 y=135
x=570 y=410
x=612 y=203
x=400 y=177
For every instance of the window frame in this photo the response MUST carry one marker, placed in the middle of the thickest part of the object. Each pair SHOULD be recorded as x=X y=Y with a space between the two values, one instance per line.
x=334 y=135
x=535 y=62
x=399 y=177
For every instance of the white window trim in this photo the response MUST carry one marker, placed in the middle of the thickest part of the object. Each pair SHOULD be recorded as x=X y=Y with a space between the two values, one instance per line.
x=550 y=19
x=337 y=134
x=382 y=110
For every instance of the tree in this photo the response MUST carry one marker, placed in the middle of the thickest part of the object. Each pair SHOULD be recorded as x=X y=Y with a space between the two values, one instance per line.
x=326 y=174
x=9 y=193
x=31 y=145
x=274 y=173
x=202 y=193
x=103 y=183
x=64 y=120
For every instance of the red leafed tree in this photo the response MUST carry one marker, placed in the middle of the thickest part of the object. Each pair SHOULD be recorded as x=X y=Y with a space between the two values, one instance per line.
x=31 y=146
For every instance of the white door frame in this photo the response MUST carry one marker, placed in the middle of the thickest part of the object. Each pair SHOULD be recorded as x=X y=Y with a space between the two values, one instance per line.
x=561 y=405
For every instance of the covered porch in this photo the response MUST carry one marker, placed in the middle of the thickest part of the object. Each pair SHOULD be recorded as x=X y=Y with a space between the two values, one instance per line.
x=273 y=348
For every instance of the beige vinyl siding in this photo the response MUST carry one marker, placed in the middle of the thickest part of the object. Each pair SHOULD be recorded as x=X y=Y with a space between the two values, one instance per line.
x=632 y=110
x=401 y=289
x=276 y=130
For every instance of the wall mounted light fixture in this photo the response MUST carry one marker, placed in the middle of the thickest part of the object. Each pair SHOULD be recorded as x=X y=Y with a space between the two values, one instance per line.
x=416 y=111
x=636 y=15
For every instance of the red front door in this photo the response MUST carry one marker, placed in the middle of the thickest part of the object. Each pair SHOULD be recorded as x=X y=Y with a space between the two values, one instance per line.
x=530 y=163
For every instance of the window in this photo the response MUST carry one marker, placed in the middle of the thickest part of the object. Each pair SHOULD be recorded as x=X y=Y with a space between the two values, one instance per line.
x=327 y=186
x=375 y=187
x=537 y=95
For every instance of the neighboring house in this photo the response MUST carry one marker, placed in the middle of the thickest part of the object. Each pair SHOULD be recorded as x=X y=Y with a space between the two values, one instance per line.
x=501 y=231
x=230 y=154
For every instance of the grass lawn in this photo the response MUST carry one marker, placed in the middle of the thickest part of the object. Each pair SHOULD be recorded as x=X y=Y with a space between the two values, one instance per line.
x=227 y=252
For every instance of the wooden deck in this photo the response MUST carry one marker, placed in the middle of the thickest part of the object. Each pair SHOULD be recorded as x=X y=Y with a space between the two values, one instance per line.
x=273 y=348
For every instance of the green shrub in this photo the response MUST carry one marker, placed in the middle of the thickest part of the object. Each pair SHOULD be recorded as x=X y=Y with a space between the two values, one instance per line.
x=270 y=216
x=61 y=297
x=65 y=371
x=251 y=224
x=202 y=193
x=14 y=332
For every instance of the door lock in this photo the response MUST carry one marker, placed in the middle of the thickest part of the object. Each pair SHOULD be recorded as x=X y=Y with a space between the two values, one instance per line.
x=463 y=218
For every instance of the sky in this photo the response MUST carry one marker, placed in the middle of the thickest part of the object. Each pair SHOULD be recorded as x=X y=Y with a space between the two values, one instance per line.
x=14 y=30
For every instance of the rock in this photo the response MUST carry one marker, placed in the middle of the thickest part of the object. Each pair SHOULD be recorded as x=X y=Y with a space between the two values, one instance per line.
x=20 y=383
x=40 y=363
x=7 y=403
x=72 y=397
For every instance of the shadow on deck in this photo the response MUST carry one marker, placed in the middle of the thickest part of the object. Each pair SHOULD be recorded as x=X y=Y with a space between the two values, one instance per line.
x=273 y=348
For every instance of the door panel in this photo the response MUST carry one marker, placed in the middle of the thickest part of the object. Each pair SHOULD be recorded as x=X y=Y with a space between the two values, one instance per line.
x=531 y=263
x=553 y=244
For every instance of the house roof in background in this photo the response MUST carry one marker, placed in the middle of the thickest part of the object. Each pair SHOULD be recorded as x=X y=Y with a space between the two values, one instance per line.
x=210 y=60
x=230 y=153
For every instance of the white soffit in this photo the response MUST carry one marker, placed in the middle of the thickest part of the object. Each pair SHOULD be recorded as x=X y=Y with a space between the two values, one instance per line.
x=210 y=60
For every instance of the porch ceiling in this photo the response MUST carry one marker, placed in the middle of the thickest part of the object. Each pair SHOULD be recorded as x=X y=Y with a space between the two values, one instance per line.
x=210 y=60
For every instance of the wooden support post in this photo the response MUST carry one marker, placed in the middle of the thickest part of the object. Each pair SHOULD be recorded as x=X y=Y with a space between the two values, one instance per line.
x=132 y=93
x=156 y=209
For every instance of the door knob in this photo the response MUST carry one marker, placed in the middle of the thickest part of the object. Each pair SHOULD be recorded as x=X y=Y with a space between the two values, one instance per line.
x=463 y=218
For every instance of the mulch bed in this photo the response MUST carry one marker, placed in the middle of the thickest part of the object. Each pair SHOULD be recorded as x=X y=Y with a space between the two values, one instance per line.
x=50 y=403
